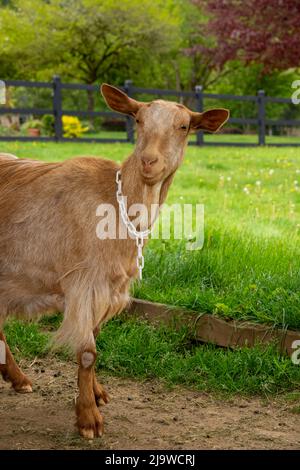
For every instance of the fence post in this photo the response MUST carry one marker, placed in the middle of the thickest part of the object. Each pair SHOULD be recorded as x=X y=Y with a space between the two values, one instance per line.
x=261 y=117
x=57 y=108
x=129 y=119
x=199 y=108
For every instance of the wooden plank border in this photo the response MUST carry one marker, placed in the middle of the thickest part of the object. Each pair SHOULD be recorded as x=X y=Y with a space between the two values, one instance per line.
x=212 y=329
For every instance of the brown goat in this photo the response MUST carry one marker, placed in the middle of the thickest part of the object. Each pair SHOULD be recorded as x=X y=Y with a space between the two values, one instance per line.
x=51 y=258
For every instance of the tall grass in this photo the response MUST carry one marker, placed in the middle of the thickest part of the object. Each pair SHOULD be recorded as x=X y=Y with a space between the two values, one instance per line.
x=235 y=275
x=136 y=349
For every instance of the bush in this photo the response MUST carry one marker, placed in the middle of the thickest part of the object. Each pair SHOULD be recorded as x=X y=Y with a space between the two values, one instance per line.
x=7 y=131
x=32 y=124
x=72 y=127
x=48 y=125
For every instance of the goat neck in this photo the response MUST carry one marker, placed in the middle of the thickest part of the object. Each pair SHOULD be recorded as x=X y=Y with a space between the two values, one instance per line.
x=138 y=191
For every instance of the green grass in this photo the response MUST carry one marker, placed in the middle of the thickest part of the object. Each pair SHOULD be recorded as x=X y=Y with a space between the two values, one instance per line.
x=260 y=284
x=26 y=339
x=249 y=265
x=139 y=350
x=136 y=349
x=235 y=138
x=50 y=151
x=250 y=138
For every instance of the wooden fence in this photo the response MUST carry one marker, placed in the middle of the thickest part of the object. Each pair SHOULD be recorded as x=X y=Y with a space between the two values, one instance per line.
x=260 y=121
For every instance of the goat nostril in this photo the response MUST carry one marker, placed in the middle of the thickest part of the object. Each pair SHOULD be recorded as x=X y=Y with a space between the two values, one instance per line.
x=147 y=162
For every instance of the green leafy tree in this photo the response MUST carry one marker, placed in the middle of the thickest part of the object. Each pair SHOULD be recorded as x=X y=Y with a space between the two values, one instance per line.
x=112 y=40
x=86 y=40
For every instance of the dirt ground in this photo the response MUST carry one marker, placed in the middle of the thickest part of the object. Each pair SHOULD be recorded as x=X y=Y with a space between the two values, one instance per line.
x=140 y=416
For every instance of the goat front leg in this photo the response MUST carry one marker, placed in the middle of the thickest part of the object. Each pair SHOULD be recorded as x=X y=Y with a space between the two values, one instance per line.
x=89 y=419
x=11 y=372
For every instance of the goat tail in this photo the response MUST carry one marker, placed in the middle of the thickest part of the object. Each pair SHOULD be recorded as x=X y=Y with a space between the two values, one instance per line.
x=76 y=337
x=76 y=330
x=86 y=302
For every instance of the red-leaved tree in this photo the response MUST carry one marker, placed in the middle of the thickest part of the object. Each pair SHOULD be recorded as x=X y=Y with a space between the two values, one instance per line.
x=255 y=31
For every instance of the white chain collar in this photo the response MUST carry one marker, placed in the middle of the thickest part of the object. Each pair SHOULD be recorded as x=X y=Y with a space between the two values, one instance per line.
x=139 y=235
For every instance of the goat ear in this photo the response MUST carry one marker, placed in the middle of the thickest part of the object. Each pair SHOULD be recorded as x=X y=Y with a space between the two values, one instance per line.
x=119 y=101
x=211 y=120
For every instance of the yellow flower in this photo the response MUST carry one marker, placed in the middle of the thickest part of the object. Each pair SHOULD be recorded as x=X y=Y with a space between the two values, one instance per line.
x=72 y=127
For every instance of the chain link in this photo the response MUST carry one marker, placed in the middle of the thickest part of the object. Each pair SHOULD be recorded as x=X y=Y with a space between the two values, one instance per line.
x=139 y=235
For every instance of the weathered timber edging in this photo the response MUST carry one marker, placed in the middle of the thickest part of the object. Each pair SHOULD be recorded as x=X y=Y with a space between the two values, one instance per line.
x=211 y=329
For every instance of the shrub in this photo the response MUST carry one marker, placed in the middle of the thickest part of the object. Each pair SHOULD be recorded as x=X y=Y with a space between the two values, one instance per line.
x=48 y=124
x=32 y=124
x=72 y=127
x=7 y=131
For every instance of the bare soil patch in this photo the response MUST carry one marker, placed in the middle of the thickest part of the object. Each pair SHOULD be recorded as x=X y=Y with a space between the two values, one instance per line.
x=140 y=415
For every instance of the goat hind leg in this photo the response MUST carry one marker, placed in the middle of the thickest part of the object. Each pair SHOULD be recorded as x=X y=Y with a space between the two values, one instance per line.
x=89 y=419
x=101 y=396
x=11 y=372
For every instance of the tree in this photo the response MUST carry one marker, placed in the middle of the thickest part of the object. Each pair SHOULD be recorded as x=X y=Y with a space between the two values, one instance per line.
x=201 y=65
x=84 y=40
x=112 y=40
x=265 y=32
x=87 y=40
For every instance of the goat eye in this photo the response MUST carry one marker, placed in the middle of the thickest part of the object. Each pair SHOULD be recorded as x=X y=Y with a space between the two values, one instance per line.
x=137 y=121
x=183 y=127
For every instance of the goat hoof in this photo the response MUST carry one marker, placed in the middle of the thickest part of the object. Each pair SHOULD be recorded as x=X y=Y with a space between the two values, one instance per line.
x=101 y=401
x=90 y=423
x=87 y=433
x=23 y=387
x=90 y=433
x=101 y=396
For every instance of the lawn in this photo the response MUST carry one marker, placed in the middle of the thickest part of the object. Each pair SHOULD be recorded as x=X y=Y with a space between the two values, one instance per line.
x=136 y=349
x=248 y=268
x=228 y=138
x=249 y=265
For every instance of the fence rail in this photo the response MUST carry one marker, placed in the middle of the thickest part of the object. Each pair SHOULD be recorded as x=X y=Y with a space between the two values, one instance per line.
x=260 y=121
